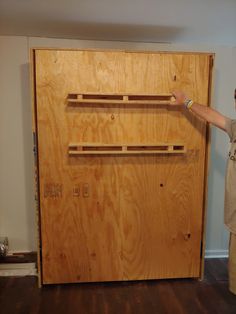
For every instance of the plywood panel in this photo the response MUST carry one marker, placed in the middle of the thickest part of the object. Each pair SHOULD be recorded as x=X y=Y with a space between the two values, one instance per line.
x=67 y=220
x=106 y=218
x=170 y=187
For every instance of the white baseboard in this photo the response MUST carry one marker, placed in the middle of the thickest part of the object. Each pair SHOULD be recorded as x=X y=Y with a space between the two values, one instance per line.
x=216 y=254
x=18 y=269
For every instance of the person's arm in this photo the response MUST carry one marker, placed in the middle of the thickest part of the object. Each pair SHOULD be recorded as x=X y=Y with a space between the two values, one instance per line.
x=208 y=114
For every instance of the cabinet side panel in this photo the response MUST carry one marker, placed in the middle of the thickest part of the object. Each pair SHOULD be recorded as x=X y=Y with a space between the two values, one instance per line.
x=106 y=218
x=36 y=174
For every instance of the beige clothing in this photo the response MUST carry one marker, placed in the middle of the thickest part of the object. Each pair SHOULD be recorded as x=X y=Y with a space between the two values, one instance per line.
x=230 y=180
x=232 y=263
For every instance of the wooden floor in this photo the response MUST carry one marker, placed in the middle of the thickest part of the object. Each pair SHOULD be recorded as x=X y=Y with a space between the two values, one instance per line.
x=21 y=295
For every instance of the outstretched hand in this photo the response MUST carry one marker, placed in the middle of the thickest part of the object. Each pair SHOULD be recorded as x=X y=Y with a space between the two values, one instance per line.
x=179 y=98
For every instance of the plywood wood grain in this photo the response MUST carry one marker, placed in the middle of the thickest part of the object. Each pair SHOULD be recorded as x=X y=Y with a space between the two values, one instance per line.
x=106 y=218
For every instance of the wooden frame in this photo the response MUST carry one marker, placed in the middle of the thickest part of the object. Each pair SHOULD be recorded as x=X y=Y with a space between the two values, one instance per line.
x=207 y=167
x=80 y=148
x=36 y=165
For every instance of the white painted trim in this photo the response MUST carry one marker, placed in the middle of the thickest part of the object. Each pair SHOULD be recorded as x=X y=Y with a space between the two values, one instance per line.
x=18 y=269
x=216 y=253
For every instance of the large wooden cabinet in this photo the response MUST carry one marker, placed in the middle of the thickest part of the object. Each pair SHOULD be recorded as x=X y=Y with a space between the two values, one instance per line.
x=121 y=174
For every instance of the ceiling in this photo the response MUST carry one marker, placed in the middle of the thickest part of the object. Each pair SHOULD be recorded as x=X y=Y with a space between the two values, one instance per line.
x=198 y=21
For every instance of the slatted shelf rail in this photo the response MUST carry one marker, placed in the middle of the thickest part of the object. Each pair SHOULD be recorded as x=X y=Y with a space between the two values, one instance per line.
x=124 y=149
x=74 y=99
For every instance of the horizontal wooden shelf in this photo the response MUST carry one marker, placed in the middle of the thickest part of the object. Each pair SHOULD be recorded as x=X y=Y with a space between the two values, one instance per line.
x=124 y=149
x=133 y=99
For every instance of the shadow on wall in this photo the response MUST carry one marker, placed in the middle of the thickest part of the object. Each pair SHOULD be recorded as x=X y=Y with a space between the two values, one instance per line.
x=96 y=31
x=28 y=155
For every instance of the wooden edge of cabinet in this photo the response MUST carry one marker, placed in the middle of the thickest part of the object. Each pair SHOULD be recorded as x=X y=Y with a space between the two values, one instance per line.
x=36 y=176
x=34 y=129
x=207 y=167
x=210 y=54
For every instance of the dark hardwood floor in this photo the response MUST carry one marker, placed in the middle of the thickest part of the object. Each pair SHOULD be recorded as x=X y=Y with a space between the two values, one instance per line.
x=21 y=295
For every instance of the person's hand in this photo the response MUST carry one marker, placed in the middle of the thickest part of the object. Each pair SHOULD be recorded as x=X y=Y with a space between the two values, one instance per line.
x=179 y=98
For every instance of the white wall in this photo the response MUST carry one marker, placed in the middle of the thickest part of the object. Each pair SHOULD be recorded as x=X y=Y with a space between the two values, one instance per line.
x=16 y=161
x=16 y=182
x=128 y=20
